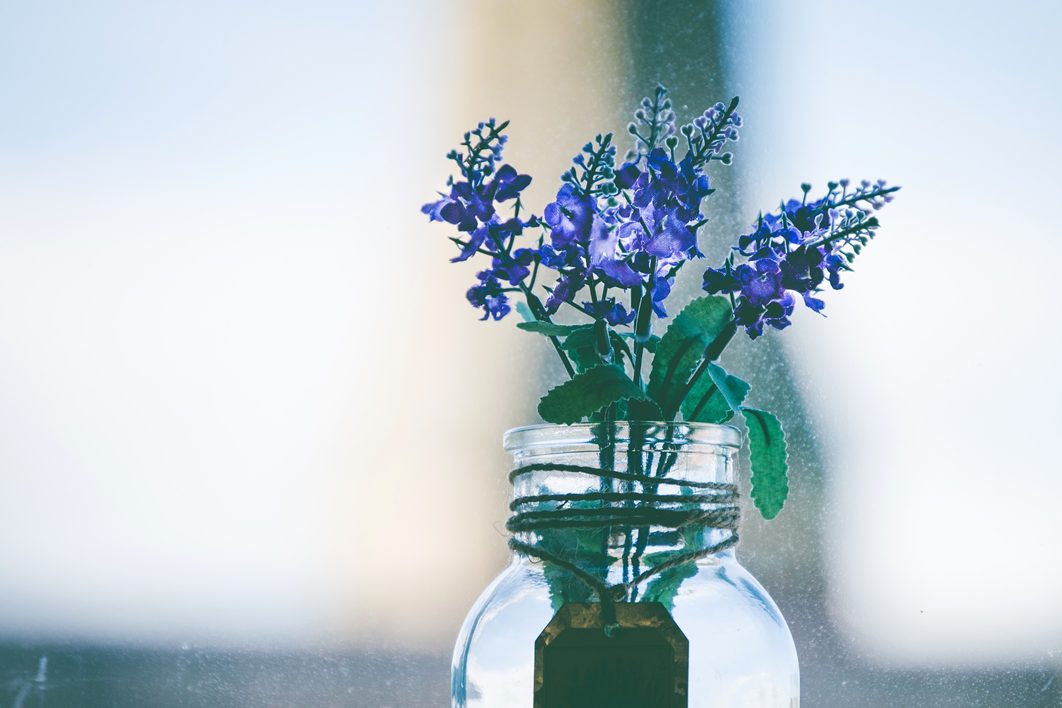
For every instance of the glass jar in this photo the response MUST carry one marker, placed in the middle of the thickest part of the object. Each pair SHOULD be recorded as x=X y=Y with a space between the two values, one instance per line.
x=740 y=651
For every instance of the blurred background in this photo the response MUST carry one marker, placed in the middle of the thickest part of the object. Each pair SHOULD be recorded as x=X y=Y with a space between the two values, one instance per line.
x=250 y=429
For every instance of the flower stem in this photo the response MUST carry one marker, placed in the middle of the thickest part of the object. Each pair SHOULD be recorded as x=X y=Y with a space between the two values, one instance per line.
x=711 y=353
x=639 y=352
x=861 y=197
x=540 y=313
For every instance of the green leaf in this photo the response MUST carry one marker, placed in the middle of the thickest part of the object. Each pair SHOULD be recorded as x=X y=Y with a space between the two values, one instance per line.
x=714 y=398
x=767 y=456
x=632 y=410
x=550 y=329
x=643 y=410
x=581 y=349
x=619 y=345
x=587 y=393
x=565 y=587
x=524 y=311
x=650 y=344
x=683 y=347
x=582 y=547
x=665 y=586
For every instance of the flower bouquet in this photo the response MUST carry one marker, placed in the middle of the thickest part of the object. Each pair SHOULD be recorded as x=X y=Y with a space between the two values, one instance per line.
x=624 y=589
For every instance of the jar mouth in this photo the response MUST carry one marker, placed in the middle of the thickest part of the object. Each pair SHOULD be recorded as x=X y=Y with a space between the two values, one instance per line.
x=687 y=435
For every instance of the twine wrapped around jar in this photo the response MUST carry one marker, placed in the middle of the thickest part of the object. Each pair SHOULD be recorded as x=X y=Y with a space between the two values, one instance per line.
x=696 y=507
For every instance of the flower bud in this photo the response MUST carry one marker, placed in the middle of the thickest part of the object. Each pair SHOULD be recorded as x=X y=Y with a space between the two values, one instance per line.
x=643 y=326
x=602 y=340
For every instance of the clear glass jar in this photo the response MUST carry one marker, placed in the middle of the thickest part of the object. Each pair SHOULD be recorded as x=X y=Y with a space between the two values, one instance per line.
x=740 y=651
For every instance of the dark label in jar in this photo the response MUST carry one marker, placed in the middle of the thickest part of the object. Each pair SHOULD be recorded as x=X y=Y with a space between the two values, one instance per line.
x=641 y=662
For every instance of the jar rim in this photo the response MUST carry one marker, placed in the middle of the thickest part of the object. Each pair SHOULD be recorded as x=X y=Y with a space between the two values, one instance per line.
x=686 y=434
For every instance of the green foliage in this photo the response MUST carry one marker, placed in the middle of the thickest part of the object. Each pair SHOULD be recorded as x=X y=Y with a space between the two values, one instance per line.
x=649 y=344
x=565 y=587
x=643 y=410
x=732 y=389
x=768 y=458
x=588 y=392
x=581 y=346
x=584 y=344
x=665 y=586
x=683 y=347
x=714 y=398
x=586 y=547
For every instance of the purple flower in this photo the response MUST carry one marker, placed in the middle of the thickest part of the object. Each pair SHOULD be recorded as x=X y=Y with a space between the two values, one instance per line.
x=471 y=201
x=802 y=269
x=468 y=206
x=472 y=206
x=834 y=265
x=645 y=230
x=661 y=289
x=603 y=241
x=807 y=218
x=678 y=188
x=489 y=295
x=561 y=259
x=514 y=267
x=721 y=280
x=627 y=175
x=563 y=291
x=491 y=235
x=674 y=238
x=453 y=210
x=795 y=251
x=813 y=303
x=610 y=311
x=604 y=256
x=753 y=317
x=507 y=184
x=620 y=273
x=668 y=236
x=760 y=287
x=761 y=282
x=659 y=221
x=570 y=217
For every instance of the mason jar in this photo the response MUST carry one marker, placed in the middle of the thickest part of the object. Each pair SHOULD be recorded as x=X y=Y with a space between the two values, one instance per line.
x=624 y=588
